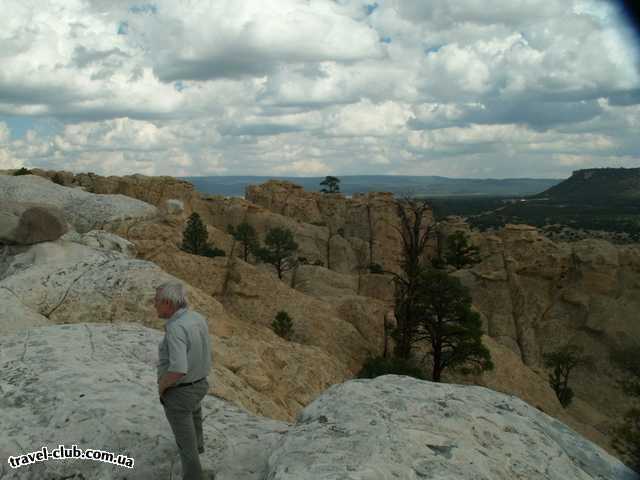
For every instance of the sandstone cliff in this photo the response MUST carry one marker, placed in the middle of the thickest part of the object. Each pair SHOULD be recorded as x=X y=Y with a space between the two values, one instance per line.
x=536 y=295
x=371 y=217
x=533 y=295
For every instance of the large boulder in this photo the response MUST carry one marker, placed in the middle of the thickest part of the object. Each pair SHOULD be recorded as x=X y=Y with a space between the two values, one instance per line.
x=399 y=427
x=94 y=385
x=29 y=223
x=84 y=211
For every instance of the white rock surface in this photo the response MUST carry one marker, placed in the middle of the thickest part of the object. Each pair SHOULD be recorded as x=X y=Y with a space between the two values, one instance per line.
x=103 y=240
x=84 y=211
x=14 y=316
x=67 y=282
x=174 y=206
x=397 y=427
x=94 y=385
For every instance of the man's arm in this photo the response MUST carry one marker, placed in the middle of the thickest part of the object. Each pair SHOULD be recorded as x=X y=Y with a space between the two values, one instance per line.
x=178 y=365
x=167 y=380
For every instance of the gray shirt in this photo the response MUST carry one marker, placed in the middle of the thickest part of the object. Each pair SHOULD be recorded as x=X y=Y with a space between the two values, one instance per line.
x=186 y=346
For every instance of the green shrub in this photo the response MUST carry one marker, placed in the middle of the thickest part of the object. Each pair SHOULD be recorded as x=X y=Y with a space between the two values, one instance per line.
x=376 y=366
x=439 y=263
x=22 y=171
x=57 y=179
x=319 y=263
x=195 y=239
x=211 y=251
x=562 y=361
x=375 y=268
x=459 y=252
x=282 y=325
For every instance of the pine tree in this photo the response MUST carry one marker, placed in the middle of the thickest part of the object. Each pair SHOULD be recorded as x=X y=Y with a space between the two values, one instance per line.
x=459 y=252
x=279 y=250
x=445 y=321
x=332 y=185
x=283 y=325
x=195 y=238
x=246 y=235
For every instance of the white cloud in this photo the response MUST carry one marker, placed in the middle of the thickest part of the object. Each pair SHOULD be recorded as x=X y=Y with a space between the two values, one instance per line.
x=303 y=168
x=231 y=38
x=505 y=88
x=364 y=118
x=5 y=133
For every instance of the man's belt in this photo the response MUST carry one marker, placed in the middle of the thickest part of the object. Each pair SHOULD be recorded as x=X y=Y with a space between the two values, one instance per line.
x=190 y=383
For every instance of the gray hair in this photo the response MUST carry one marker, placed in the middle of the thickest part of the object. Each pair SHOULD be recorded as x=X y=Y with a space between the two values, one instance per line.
x=173 y=292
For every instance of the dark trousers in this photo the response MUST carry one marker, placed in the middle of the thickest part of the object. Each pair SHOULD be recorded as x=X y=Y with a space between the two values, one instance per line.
x=184 y=413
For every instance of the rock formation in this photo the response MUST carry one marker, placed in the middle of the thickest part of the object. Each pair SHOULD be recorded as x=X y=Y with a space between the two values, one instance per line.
x=343 y=232
x=537 y=295
x=82 y=210
x=347 y=326
x=29 y=223
x=94 y=385
x=533 y=294
x=372 y=218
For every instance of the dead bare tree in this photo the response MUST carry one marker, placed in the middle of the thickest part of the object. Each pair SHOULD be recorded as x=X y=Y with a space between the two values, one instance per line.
x=372 y=225
x=231 y=275
x=331 y=233
x=362 y=262
x=414 y=233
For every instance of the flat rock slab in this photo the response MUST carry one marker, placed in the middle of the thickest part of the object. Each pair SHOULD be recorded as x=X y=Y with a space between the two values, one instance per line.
x=396 y=427
x=85 y=211
x=68 y=282
x=94 y=386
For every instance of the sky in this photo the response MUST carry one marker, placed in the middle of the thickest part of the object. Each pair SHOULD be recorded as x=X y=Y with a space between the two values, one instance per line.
x=464 y=88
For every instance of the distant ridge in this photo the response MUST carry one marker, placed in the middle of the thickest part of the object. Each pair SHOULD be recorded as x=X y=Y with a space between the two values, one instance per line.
x=597 y=186
x=398 y=184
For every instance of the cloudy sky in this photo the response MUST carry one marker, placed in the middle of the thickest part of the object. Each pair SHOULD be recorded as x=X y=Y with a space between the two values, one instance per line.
x=464 y=88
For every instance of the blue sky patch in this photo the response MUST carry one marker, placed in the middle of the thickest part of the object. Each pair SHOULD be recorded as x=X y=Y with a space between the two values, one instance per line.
x=123 y=28
x=433 y=49
x=144 y=8
x=20 y=125
x=371 y=7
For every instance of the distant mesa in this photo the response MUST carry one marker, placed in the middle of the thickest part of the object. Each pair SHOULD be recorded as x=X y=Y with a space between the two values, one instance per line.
x=234 y=186
x=597 y=186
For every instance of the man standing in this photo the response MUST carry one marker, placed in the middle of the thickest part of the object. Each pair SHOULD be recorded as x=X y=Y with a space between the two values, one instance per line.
x=184 y=363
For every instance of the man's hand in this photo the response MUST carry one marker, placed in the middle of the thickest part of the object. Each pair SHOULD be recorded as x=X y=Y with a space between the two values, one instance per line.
x=167 y=380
